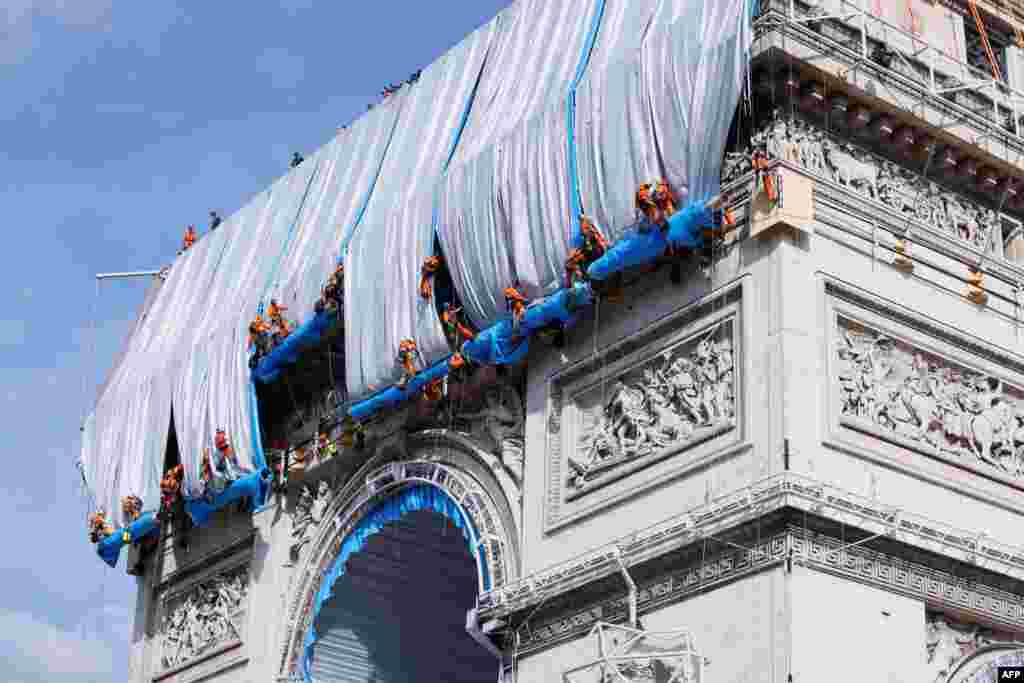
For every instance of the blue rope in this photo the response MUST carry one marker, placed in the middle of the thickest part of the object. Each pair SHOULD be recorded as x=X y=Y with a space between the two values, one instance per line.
x=351 y=230
x=575 y=198
x=287 y=241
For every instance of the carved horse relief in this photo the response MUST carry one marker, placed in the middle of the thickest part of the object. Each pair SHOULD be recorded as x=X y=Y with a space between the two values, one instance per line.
x=947 y=408
x=850 y=171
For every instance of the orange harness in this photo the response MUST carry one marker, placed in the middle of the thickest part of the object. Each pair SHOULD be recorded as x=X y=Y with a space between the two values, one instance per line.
x=430 y=266
x=434 y=391
x=458 y=331
x=759 y=163
x=516 y=303
x=407 y=351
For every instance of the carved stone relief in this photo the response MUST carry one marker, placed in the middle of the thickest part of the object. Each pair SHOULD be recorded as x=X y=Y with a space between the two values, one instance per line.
x=205 y=616
x=796 y=141
x=680 y=396
x=309 y=512
x=941 y=406
x=950 y=644
x=500 y=424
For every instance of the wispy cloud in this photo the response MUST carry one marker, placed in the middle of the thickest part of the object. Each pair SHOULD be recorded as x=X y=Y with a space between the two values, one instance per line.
x=34 y=651
x=12 y=332
x=20 y=22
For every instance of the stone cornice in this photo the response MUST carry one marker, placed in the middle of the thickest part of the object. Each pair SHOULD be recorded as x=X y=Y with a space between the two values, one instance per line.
x=791 y=547
x=784 y=490
x=774 y=32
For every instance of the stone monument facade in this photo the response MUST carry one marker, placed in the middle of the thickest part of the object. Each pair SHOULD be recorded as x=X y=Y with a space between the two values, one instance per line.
x=802 y=462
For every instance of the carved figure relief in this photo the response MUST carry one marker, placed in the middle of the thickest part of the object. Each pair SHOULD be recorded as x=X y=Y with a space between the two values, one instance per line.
x=676 y=397
x=796 y=141
x=502 y=419
x=309 y=512
x=204 y=617
x=919 y=396
x=949 y=643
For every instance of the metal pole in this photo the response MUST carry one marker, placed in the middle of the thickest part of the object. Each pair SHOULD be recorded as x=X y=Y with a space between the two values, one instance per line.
x=137 y=273
x=863 y=29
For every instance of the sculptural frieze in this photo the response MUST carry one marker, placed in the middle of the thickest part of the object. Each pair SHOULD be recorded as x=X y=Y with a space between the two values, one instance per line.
x=799 y=142
x=680 y=396
x=309 y=511
x=500 y=423
x=949 y=643
x=943 y=406
x=204 y=617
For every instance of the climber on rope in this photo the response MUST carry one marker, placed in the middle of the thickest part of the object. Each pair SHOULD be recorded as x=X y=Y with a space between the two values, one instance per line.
x=594 y=247
x=259 y=339
x=297 y=160
x=515 y=303
x=455 y=329
x=170 y=490
x=228 y=458
x=131 y=509
x=214 y=481
x=759 y=165
x=215 y=220
x=280 y=326
x=407 y=354
x=99 y=528
x=427 y=271
x=434 y=390
x=330 y=300
x=189 y=239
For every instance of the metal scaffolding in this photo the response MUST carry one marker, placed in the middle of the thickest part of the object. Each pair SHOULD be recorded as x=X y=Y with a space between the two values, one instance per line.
x=926 y=70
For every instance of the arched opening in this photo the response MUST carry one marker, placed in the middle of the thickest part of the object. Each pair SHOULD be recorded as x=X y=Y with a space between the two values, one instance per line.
x=397 y=609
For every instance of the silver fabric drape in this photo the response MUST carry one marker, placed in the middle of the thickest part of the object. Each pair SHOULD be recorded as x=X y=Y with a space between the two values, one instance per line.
x=654 y=99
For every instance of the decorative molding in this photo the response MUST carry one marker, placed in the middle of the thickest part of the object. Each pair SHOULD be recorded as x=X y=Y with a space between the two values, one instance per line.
x=930 y=328
x=671 y=388
x=902 y=191
x=496 y=546
x=498 y=427
x=202 y=619
x=784 y=490
x=308 y=513
x=939 y=590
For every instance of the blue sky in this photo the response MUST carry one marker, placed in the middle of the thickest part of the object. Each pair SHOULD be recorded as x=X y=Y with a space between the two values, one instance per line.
x=120 y=124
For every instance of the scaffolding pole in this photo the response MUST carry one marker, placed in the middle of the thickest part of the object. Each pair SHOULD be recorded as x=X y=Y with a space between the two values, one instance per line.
x=930 y=58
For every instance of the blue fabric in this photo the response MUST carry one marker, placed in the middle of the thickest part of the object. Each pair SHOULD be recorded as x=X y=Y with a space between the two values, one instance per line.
x=109 y=549
x=305 y=337
x=576 y=201
x=390 y=510
x=395 y=395
x=636 y=248
x=560 y=307
x=499 y=344
x=253 y=486
x=686 y=227
x=505 y=344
